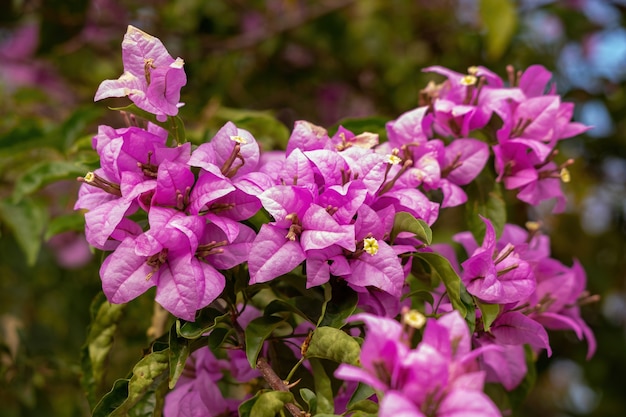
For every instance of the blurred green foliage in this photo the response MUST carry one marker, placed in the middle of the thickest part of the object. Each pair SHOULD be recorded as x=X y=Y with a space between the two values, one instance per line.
x=291 y=59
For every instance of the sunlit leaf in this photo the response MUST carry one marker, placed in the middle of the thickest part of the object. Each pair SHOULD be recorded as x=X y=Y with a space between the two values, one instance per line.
x=148 y=374
x=310 y=400
x=270 y=403
x=406 y=222
x=489 y=313
x=333 y=344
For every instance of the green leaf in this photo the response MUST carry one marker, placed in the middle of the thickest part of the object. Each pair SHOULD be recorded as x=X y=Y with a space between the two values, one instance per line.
x=365 y=406
x=73 y=127
x=174 y=124
x=178 y=353
x=323 y=388
x=205 y=322
x=485 y=199
x=489 y=313
x=256 y=332
x=310 y=399
x=333 y=344
x=148 y=374
x=338 y=308
x=44 y=173
x=405 y=222
x=499 y=18
x=104 y=319
x=27 y=220
x=361 y=393
x=270 y=403
x=217 y=337
x=440 y=268
x=113 y=399
x=74 y=221
x=427 y=296
x=279 y=306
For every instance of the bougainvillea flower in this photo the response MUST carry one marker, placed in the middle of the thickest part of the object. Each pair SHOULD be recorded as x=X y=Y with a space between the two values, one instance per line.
x=437 y=378
x=166 y=257
x=152 y=79
x=556 y=301
x=197 y=392
x=497 y=275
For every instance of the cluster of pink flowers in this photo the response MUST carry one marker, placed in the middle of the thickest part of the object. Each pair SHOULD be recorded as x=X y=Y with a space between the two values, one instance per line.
x=332 y=200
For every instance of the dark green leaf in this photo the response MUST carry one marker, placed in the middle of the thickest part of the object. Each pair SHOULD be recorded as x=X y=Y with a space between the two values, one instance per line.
x=270 y=403
x=489 y=313
x=256 y=332
x=205 y=322
x=499 y=18
x=405 y=222
x=440 y=268
x=335 y=345
x=278 y=306
x=113 y=399
x=217 y=337
x=27 y=220
x=338 y=308
x=323 y=388
x=485 y=199
x=178 y=353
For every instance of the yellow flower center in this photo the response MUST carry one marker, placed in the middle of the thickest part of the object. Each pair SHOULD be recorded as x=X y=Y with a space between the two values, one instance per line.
x=370 y=245
x=393 y=159
x=239 y=139
x=89 y=177
x=414 y=318
x=469 y=80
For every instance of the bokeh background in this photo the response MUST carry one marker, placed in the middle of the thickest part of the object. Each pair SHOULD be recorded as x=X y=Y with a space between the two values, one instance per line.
x=257 y=62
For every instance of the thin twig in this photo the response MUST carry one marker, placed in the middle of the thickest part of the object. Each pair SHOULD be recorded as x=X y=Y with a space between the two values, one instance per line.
x=276 y=384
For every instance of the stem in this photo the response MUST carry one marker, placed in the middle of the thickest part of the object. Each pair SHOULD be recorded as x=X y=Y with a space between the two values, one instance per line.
x=294 y=369
x=276 y=384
